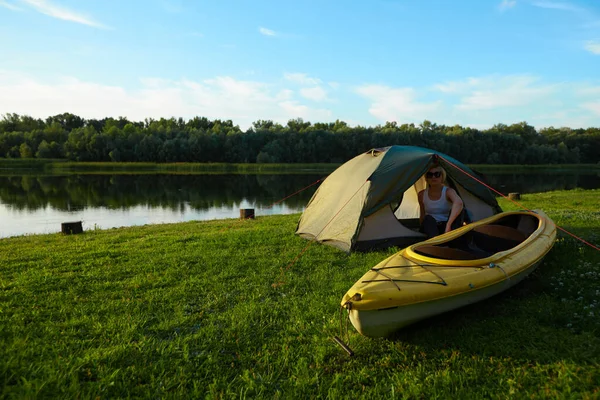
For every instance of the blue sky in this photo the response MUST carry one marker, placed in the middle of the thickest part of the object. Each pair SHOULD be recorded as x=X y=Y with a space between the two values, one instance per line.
x=473 y=62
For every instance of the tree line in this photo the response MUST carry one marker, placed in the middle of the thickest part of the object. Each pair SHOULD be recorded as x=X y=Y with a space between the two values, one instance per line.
x=68 y=136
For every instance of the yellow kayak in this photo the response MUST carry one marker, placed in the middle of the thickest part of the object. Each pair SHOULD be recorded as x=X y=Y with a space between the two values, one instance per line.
x=449 y=271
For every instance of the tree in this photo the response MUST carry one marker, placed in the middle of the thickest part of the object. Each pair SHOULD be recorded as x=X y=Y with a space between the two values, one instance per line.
x=43 y=150
x=68 y=121
x=25 y=151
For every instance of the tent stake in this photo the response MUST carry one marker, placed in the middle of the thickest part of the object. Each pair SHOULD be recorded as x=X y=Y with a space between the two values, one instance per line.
x=344 y=346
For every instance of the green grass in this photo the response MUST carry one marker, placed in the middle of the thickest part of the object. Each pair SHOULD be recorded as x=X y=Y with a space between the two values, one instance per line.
x=189 y=310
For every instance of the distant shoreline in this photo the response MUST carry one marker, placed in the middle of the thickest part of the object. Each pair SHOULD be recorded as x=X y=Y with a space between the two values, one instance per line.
x=62 y=166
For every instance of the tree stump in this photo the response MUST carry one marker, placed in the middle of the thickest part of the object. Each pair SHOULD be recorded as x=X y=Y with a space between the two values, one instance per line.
x=71 y=228
x=514 y=196
x=246 y=213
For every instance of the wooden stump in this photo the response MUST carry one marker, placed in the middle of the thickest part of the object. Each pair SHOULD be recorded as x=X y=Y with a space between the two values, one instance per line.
x=514 y=196
x=246 y=213
x=71 y=228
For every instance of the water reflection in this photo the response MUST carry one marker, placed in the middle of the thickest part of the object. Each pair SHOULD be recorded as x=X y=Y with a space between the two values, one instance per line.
x=38 y=204
x=199 y=192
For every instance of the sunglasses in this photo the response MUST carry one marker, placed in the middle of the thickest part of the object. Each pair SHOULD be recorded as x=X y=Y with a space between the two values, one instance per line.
x=435 y=174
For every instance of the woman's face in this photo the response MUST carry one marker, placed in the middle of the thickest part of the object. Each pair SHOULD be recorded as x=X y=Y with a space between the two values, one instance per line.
x=434 y=175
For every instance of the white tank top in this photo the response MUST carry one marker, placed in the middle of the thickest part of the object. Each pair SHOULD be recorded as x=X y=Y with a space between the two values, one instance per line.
x=438 y=209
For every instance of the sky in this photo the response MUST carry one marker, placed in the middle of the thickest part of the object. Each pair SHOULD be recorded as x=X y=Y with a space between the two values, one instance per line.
x=469 y=62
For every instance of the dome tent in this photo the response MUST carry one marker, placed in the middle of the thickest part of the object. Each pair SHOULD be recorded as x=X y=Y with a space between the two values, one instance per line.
x=371 y=200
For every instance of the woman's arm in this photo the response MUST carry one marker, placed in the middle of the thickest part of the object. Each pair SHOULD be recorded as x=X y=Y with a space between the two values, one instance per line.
x=421 y=206
x=457 y=206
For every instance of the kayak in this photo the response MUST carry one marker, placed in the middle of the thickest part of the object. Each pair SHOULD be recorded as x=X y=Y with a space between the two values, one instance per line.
x=461 y=267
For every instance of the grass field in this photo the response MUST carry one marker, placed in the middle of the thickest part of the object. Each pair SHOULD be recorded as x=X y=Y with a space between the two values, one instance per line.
x=189 y=310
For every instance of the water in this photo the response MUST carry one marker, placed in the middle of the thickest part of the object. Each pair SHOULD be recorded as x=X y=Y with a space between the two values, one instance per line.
x=40 y=203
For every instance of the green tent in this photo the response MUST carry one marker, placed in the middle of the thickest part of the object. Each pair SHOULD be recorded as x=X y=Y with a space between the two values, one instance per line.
x=371 y=200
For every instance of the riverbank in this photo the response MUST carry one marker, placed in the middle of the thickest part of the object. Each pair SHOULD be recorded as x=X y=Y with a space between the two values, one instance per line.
x=62 y=166
x=188 y=310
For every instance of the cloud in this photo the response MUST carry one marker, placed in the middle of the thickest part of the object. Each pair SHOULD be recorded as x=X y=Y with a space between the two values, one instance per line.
x=588 y=90
x=220 y=97
x=47 y=8
x=593 y=107
x=457 y=86
x=475 y=101
x=506 y=4
x=397 y=104
x=497 y=92
x=557 y=6
x=10 y=6
x=301 y=78
x=316 y=93
x=267 y=32
x=593 y=47
x=306 y=113
x=589 y=19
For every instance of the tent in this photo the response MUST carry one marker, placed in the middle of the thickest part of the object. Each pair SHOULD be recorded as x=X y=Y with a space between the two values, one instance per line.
x=371 y=200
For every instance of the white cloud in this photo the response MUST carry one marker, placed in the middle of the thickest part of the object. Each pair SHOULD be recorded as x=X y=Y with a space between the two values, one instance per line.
x=506 y=4
x=267 y=32
x=52 y=10
x=316 y=93
x=285 y=94
x=497 y=92
x=334 y=85
x=301 y=78
x=397 y=104
x=475 y=101
x=588 y=91
x=457 y=86
x=557 y=6
x=593 y=107
x=306 y=113
x=593 y=47
x=221 y=97
x=10 y=6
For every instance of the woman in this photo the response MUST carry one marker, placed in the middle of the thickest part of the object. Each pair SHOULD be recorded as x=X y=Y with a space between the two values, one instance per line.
x=441 y=207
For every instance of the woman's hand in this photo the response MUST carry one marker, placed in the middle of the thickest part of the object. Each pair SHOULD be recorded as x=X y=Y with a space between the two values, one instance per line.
x=448 y=228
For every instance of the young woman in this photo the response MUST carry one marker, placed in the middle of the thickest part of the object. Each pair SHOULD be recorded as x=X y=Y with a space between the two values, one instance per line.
x=441 y=206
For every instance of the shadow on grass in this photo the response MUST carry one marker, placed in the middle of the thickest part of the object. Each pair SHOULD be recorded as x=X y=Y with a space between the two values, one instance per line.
x=540 y=320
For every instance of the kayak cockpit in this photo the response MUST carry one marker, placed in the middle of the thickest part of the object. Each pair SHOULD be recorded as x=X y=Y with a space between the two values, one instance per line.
x=484 y=240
